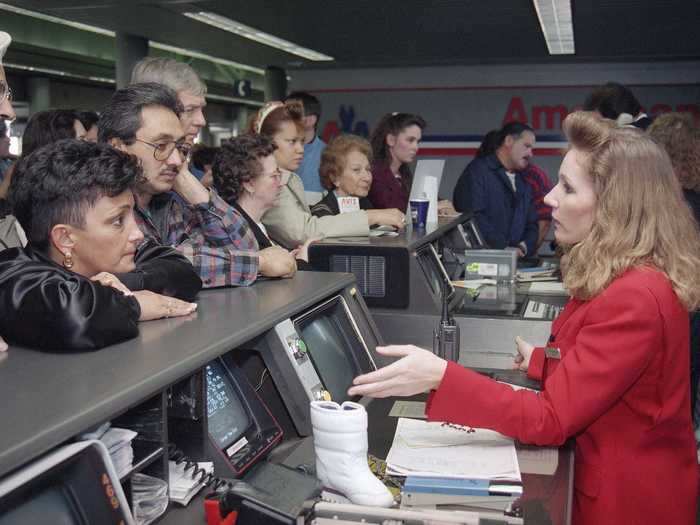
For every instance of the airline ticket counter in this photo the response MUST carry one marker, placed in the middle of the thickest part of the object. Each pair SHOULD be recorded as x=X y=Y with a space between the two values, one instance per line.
x=230 y=384
x=404 y=278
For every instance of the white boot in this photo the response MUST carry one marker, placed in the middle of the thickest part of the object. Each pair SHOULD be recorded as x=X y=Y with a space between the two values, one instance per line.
x=340 y=441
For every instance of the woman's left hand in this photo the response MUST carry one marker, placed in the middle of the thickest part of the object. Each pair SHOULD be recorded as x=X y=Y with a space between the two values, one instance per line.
x=302 y=251
x=417 y=371
x=107 y=279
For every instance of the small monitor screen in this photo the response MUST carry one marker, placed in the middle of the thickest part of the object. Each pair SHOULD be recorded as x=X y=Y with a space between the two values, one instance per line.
x=228 y=419
x=334 y=347
x=53 y=503
x=72 y=485
x=434 y=271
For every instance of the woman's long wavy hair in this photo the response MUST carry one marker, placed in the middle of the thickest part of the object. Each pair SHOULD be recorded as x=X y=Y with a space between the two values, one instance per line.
x=641 y=218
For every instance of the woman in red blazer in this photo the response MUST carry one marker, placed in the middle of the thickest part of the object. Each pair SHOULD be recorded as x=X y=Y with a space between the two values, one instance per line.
x=615 y=373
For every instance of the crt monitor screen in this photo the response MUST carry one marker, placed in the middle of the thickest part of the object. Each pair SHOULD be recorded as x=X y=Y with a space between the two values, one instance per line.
x=435 y=273
x=228 y=418
x=464 y=236
x=337 y=350
x=75 y=485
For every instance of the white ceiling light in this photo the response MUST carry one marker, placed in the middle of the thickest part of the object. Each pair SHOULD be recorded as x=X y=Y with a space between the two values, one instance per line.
x=221 y=22
x=151 y=43
x=557 y=25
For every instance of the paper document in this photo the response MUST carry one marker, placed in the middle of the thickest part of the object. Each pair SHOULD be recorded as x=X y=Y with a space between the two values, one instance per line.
x=553 y=288
x=474 y=284
x=538 y=460
x=413 y=409
x=421 y=448
x=183 y=486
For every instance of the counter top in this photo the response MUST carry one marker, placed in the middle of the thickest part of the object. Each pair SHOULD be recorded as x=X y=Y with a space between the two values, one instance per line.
x=49 y=398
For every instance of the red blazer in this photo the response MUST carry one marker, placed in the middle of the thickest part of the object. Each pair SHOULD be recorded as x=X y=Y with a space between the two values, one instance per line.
x=620 y=389
x=386 y=190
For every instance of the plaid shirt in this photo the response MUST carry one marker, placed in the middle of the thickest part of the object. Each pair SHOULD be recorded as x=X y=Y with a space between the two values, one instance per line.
x=212 y=236
x=538 y=180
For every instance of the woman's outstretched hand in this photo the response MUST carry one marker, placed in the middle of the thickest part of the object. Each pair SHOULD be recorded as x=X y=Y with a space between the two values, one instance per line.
x=417 y=371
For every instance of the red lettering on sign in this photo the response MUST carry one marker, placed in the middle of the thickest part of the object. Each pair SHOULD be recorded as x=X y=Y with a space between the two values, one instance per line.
x=693 y=109
x=330 y=130
x=549 y=112
x=516 y=111
x=660 y=108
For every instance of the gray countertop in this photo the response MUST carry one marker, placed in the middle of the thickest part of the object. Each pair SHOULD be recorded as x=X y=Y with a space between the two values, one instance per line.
x=49 y=398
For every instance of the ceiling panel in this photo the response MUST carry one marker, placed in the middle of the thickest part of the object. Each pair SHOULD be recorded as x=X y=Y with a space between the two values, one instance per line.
x=401 y=33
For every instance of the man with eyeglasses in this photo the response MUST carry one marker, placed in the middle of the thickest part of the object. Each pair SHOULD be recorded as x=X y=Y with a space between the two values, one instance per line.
x=143 y=119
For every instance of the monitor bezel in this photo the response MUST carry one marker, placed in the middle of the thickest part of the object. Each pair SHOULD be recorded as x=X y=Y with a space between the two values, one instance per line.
x=303 y=318
x=58 y=460
x=263 y=424
x=429 y=248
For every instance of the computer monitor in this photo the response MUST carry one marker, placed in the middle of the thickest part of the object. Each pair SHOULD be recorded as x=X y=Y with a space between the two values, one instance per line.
x=240 y=427
x=74 y=485
x=337 y=350
x=434 y=271
x=316 y=354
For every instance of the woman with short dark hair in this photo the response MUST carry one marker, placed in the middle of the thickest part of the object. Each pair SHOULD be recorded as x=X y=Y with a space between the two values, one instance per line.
x=74 y=200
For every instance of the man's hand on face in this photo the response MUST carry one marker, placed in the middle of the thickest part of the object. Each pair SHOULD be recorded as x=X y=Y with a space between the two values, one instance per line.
x=189 y=188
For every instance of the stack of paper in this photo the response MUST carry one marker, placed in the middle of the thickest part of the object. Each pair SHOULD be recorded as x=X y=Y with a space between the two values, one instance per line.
x=183 y=486
x=539 y=273
x=431 y=449
x=118 y=442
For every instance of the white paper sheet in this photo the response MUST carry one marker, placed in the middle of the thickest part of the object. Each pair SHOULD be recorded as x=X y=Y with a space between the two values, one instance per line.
x=426 y=179
x=421 y=448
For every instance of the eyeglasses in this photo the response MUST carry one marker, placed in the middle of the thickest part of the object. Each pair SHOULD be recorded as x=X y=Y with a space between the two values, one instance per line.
x=277 y=174
x=5 y=92
x=162 y=151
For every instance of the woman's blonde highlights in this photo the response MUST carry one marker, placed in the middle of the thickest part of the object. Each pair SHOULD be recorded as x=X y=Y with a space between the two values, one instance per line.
x=641 y=217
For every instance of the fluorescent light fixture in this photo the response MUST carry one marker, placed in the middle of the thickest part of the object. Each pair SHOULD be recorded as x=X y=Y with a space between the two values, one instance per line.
x=197 y=54
x=226 y=24
x=56 y=20
x=59 y=73
x=557 y=25
x=151 y=43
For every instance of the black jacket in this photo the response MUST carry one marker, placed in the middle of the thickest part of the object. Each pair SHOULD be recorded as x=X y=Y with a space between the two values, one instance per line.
x=45 y=306
x=163 y=270
x=263 y=240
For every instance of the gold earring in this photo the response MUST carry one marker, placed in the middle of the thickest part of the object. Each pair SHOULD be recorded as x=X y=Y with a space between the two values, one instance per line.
x=67 y=260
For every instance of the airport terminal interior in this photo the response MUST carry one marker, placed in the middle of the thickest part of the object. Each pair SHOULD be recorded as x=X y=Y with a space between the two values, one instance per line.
x=371 y=262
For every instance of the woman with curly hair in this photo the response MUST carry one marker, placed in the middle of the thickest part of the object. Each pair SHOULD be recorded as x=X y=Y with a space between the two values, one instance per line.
x=679 y=135
x=344 y=172
x=615 y=369
x=290 y=222
x=246 y=176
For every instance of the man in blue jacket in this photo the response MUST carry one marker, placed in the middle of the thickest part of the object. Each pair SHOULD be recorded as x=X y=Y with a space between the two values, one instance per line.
x=492 y=187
